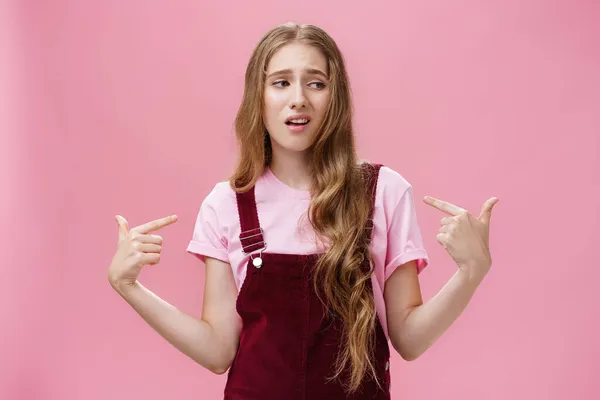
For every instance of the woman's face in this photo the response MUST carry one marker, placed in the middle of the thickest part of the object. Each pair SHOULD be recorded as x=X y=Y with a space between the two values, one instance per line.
x=296 y=87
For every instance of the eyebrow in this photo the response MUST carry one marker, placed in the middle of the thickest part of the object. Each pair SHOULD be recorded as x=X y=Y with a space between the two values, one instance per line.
x=310 y=71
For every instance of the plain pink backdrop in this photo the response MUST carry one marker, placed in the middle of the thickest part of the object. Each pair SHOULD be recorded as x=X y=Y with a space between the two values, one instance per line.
x=113 y=107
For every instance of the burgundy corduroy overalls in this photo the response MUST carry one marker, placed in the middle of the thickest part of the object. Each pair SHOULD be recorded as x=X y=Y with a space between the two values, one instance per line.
x=288 y=345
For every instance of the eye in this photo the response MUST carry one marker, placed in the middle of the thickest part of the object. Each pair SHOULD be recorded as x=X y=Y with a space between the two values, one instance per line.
x=280 y=82
x=320 y=85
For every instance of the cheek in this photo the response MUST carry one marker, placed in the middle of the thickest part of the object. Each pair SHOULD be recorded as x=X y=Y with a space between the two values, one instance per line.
x=273 y=106
x=273 y=100
x=322 y=102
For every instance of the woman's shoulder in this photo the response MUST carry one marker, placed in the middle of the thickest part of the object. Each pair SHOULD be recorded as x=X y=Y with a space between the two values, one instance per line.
x=390 y=177
x=391 y=186
x=221 y=195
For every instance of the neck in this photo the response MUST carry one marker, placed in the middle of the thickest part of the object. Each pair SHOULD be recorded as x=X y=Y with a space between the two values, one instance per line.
x=292 y=168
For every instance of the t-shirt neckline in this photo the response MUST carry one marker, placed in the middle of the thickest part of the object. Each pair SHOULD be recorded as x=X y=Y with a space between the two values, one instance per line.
x=281 y=187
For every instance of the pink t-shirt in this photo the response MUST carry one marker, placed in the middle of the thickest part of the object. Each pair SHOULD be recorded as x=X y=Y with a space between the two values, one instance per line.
x=396 y=237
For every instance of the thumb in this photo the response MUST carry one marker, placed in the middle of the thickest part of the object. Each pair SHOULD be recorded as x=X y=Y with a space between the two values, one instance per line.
x=123 y=226
x=486 y=210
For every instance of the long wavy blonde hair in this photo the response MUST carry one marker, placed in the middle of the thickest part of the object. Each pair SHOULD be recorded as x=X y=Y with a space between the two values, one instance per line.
x=338 y=211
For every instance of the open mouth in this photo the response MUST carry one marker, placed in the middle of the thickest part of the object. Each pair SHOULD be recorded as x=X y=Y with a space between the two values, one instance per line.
x=297 y=122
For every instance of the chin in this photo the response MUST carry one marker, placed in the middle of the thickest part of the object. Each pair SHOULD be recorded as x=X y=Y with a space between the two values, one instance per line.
x=296 y=147
x=292 y=144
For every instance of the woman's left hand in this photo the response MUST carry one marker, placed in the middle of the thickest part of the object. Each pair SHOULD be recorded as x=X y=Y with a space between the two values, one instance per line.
x=466 y=237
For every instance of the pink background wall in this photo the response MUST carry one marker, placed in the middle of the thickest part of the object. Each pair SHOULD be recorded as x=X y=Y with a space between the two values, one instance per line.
x=127 y=107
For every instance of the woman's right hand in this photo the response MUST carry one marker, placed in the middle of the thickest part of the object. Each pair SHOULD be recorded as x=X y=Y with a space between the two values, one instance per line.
x=136 y=248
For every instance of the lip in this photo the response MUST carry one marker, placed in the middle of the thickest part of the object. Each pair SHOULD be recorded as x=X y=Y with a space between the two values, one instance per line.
x=298 y=116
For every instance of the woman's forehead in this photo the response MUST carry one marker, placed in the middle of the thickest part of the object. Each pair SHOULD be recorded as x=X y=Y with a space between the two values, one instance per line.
x=297 y=58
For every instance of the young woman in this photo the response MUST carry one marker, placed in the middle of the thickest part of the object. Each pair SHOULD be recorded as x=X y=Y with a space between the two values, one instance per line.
x=311 y=256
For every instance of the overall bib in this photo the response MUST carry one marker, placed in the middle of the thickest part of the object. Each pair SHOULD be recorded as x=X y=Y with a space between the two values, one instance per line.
x=288 y=345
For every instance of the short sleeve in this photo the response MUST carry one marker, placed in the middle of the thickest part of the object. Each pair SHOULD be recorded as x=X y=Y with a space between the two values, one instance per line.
x=404 y=239
x=208 y=238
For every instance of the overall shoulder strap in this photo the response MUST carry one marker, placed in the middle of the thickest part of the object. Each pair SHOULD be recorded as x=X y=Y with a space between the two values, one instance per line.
x=251 y=235
x=371 y=174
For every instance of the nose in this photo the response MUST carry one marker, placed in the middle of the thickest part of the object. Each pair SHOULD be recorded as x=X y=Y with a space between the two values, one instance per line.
x=298 y=98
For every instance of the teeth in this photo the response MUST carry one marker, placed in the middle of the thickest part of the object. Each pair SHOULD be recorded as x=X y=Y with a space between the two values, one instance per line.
x=299 y=121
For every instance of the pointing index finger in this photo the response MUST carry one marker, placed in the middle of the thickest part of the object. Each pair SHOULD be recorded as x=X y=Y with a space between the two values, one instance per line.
x=444 y=206
x=155 y=225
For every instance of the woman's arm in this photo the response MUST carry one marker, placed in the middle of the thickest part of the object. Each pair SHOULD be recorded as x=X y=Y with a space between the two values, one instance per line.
x=413 y=326
x=211 y=341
